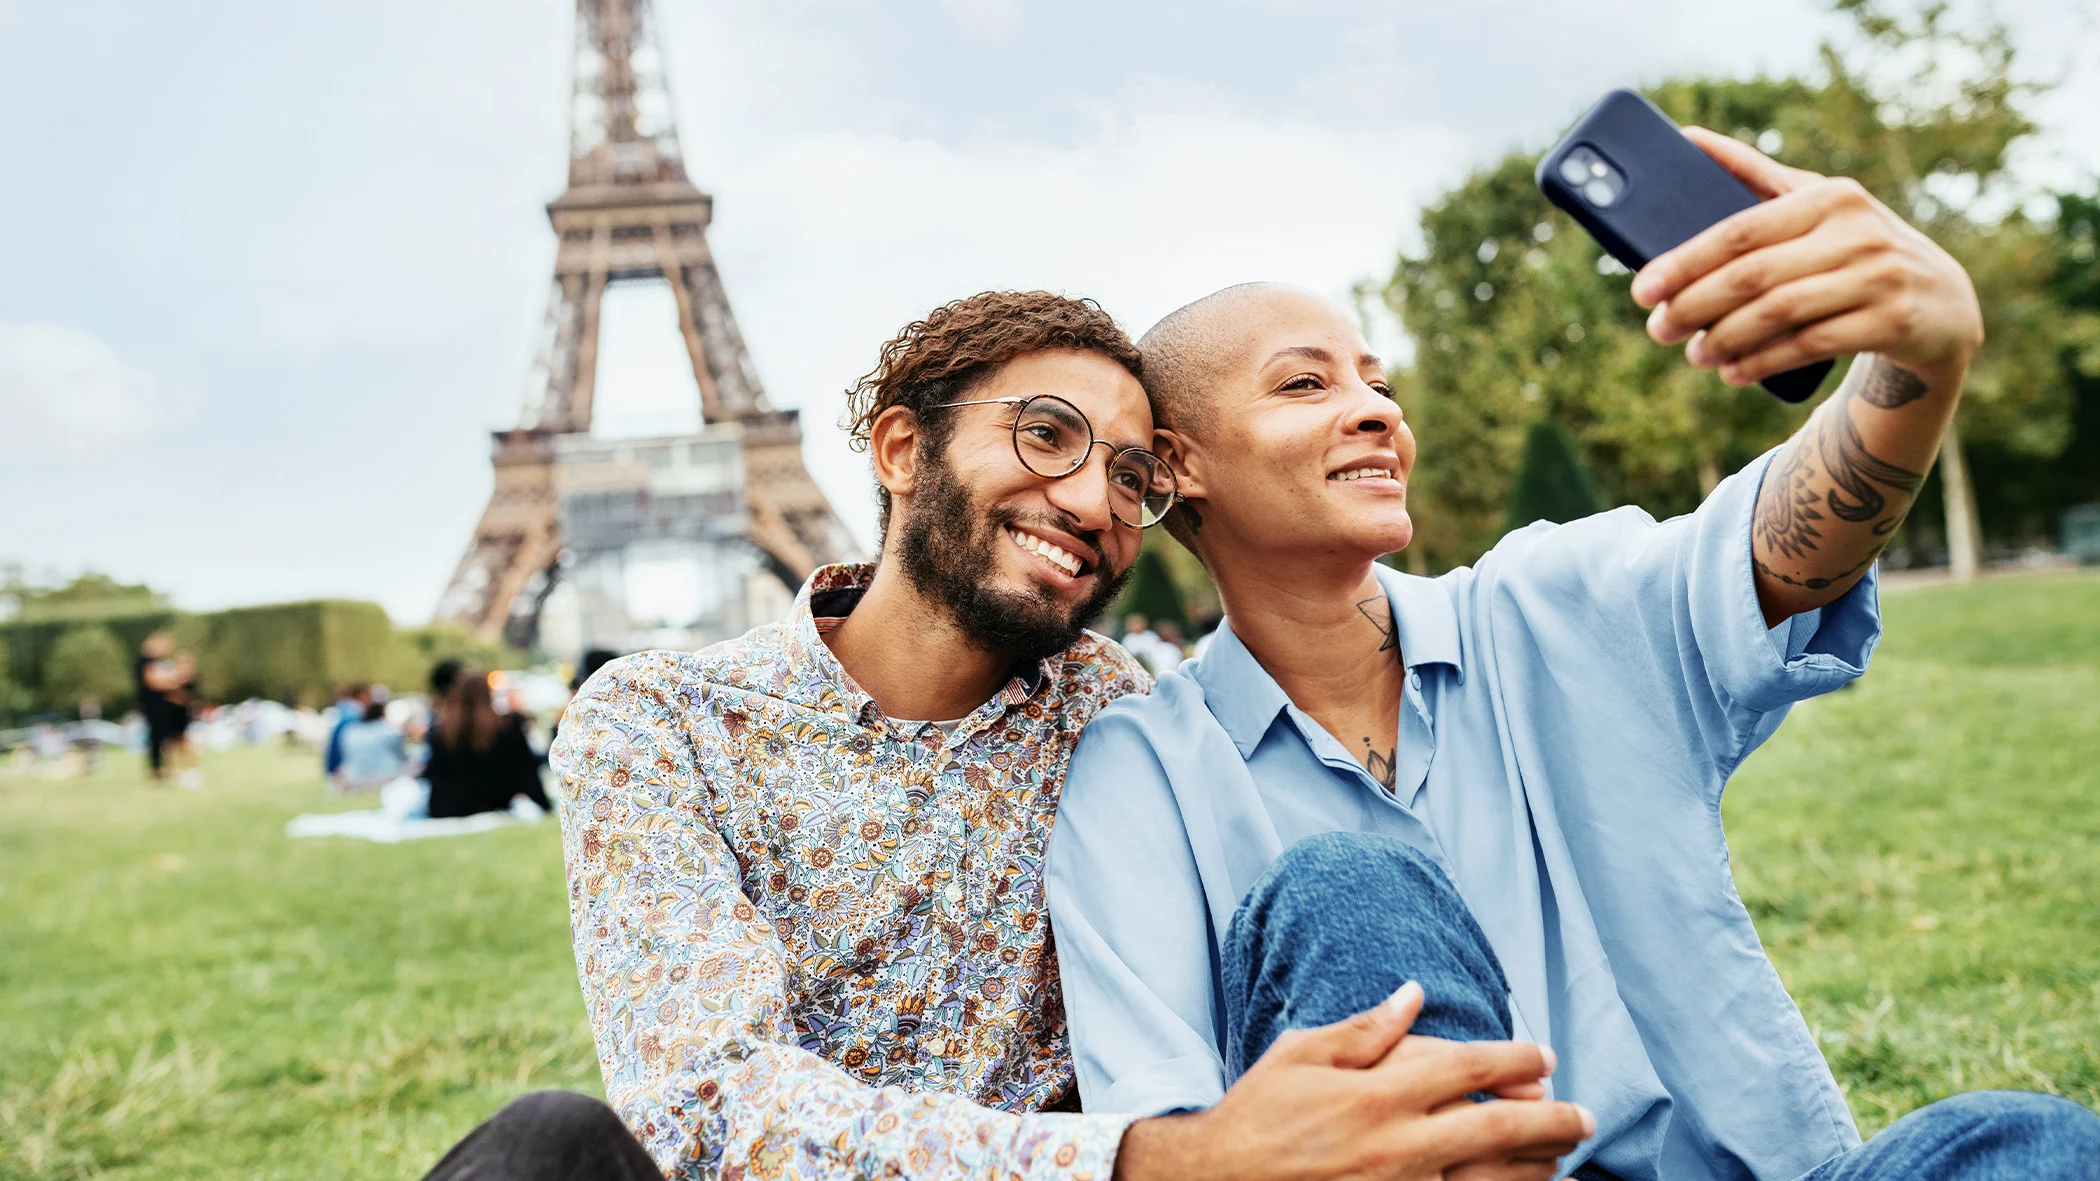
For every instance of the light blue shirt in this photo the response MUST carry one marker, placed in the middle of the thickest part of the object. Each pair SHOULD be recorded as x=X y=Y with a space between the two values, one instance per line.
x=1574 y=705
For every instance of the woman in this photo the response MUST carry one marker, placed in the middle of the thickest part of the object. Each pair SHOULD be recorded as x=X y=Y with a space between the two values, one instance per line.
x=479 y=759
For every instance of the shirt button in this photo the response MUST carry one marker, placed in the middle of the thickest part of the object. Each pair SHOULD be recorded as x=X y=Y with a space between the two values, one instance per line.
x=955 y=893
x=1415 y=679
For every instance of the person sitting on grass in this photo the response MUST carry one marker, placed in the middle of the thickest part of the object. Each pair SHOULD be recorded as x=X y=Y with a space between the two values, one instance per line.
x=805 y=866
x=480 y=760
x=371 y=752
x=1505 y=783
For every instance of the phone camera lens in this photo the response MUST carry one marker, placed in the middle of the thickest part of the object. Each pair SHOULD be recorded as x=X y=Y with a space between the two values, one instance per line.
x=1601 y=191
x=1575 y=168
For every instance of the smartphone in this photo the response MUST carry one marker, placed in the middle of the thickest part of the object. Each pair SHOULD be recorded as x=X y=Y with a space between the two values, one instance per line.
x=1641 y=189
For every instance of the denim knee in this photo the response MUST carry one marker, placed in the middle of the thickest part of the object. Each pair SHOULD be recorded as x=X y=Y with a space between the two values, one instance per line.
x=1339 y=921
x=2025 y=1123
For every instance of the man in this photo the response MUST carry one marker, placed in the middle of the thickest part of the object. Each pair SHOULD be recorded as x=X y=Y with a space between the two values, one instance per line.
x=805 y=865
x=158 y=687
x=1505 y=783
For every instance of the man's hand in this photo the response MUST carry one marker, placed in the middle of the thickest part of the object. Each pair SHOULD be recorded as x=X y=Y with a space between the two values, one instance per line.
x=1819 y=270
x=1355 y=1101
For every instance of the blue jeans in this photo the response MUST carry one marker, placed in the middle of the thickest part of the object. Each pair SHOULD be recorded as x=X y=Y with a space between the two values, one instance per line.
x=1343 y=919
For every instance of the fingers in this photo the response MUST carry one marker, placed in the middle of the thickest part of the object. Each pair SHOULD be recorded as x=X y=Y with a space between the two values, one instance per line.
x=1355 y=1042
x=1772 y=317
x=1762 y=174
x=1857 y=331
x=1451 y=1069
x=1502 y=1130
x=1775 y=221
x=1706 y=298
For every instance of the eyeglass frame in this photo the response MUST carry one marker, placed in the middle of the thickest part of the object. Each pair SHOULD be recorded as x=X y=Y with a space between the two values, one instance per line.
x=1093 y=441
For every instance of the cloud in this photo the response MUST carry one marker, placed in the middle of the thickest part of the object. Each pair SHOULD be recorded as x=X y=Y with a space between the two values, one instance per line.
x=987 y=22
x=63 y=387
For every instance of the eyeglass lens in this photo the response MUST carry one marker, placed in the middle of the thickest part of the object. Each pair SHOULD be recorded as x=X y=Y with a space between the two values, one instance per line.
x=1053 y=439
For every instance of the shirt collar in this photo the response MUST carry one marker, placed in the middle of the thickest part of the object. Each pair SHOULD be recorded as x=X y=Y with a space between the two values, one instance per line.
x=1246 y=699
x=823 y=603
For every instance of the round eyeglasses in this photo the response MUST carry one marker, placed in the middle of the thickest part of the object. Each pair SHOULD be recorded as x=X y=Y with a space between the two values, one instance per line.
x=1053 y=440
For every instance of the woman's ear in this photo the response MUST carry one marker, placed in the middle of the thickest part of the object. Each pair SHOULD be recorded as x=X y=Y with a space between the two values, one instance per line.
x=1183 y=458
x=893 y=444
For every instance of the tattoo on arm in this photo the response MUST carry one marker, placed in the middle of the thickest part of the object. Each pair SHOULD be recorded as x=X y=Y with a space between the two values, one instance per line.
x=1786 y=512
x=1381 y=766
x=1855 y=486
x=1888 y=386
x=1380 y=613
x=1855 y=471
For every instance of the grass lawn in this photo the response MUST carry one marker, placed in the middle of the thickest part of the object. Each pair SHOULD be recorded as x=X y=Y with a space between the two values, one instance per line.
x=186 y=994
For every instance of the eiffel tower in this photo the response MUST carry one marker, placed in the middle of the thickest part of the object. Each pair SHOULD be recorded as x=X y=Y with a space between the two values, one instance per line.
x=629 y=214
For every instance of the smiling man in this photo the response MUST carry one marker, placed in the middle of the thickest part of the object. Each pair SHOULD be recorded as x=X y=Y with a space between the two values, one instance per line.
x=1505 y=783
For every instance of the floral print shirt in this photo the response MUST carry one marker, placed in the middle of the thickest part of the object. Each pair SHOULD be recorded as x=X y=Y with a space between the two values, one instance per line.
x=812 y=938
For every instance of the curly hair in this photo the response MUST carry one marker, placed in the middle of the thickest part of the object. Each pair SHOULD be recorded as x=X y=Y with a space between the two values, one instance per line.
x=959 y=345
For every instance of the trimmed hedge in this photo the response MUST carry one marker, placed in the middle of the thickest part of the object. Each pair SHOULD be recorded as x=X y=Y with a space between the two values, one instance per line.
x=297 y=653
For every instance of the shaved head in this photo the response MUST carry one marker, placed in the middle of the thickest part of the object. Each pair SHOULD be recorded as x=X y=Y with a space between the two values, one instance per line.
x=1263 y=379
x=1187 y=352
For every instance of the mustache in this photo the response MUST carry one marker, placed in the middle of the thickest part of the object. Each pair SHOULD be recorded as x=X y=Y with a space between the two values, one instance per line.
x=1062 y=523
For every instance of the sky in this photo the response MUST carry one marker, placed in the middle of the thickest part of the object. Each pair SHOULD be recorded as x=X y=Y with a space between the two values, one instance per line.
x=270 y=273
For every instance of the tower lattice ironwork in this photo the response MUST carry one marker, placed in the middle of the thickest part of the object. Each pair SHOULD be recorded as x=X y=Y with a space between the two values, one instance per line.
x=629 y=213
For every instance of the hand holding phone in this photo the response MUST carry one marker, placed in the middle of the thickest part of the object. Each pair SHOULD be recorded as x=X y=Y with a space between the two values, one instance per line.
x=1771 y=271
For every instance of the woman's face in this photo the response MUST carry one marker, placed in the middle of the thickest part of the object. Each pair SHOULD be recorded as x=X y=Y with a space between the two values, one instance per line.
x=1303 y=451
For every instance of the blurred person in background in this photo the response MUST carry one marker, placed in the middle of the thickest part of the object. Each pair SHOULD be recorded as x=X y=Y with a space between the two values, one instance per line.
x=372 y=752
x=89 y=741
x=349 y=709
x=183 y=699
x=480 y=760
x=1171 y=650
x=163 y=683
x=1141 y=641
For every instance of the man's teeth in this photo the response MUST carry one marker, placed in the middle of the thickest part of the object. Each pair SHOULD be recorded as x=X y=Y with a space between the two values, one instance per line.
x=1036 y=545
x=1361 y=473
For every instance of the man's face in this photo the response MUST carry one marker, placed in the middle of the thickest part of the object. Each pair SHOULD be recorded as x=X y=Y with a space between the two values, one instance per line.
x=1304 y=451
x=1024 y=562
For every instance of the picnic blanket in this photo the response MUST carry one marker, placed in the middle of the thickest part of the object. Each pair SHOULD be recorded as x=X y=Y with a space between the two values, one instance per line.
x=403 y=815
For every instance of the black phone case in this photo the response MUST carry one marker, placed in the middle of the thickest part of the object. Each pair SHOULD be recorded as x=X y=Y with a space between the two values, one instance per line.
x=1672 y=192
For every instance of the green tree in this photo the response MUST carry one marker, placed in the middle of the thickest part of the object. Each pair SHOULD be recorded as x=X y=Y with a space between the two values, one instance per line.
x=87 y=661
x=9 y=693
x=1516 y=312
x=1552 y=484
x=1152 y=591
x=88 y=596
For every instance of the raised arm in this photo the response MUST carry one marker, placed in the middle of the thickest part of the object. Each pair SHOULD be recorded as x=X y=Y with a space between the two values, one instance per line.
x=1820 y=270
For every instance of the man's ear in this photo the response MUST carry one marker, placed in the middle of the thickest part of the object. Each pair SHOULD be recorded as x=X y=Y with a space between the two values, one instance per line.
x=1184 y=458
x=893 y=443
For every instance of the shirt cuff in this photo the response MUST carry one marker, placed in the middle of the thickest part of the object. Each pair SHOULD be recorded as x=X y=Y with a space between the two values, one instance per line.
x=1059 y=1147
x=1163 y=1088
x=1764 y=669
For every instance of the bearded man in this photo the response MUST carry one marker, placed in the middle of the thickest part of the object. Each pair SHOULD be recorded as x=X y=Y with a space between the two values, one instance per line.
x=805 y=866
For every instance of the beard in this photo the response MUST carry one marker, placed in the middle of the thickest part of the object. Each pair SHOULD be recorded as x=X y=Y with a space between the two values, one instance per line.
x=948 y=551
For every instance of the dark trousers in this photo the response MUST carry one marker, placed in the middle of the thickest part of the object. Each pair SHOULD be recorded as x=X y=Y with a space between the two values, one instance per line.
x=1341 y=920
x=548 y=1136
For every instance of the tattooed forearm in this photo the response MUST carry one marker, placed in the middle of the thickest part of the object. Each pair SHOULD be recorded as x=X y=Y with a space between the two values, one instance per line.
x=1888 y=386
x=1855 y=471
x=1380 y=613
x=1786 y=508
x=1381 y=766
